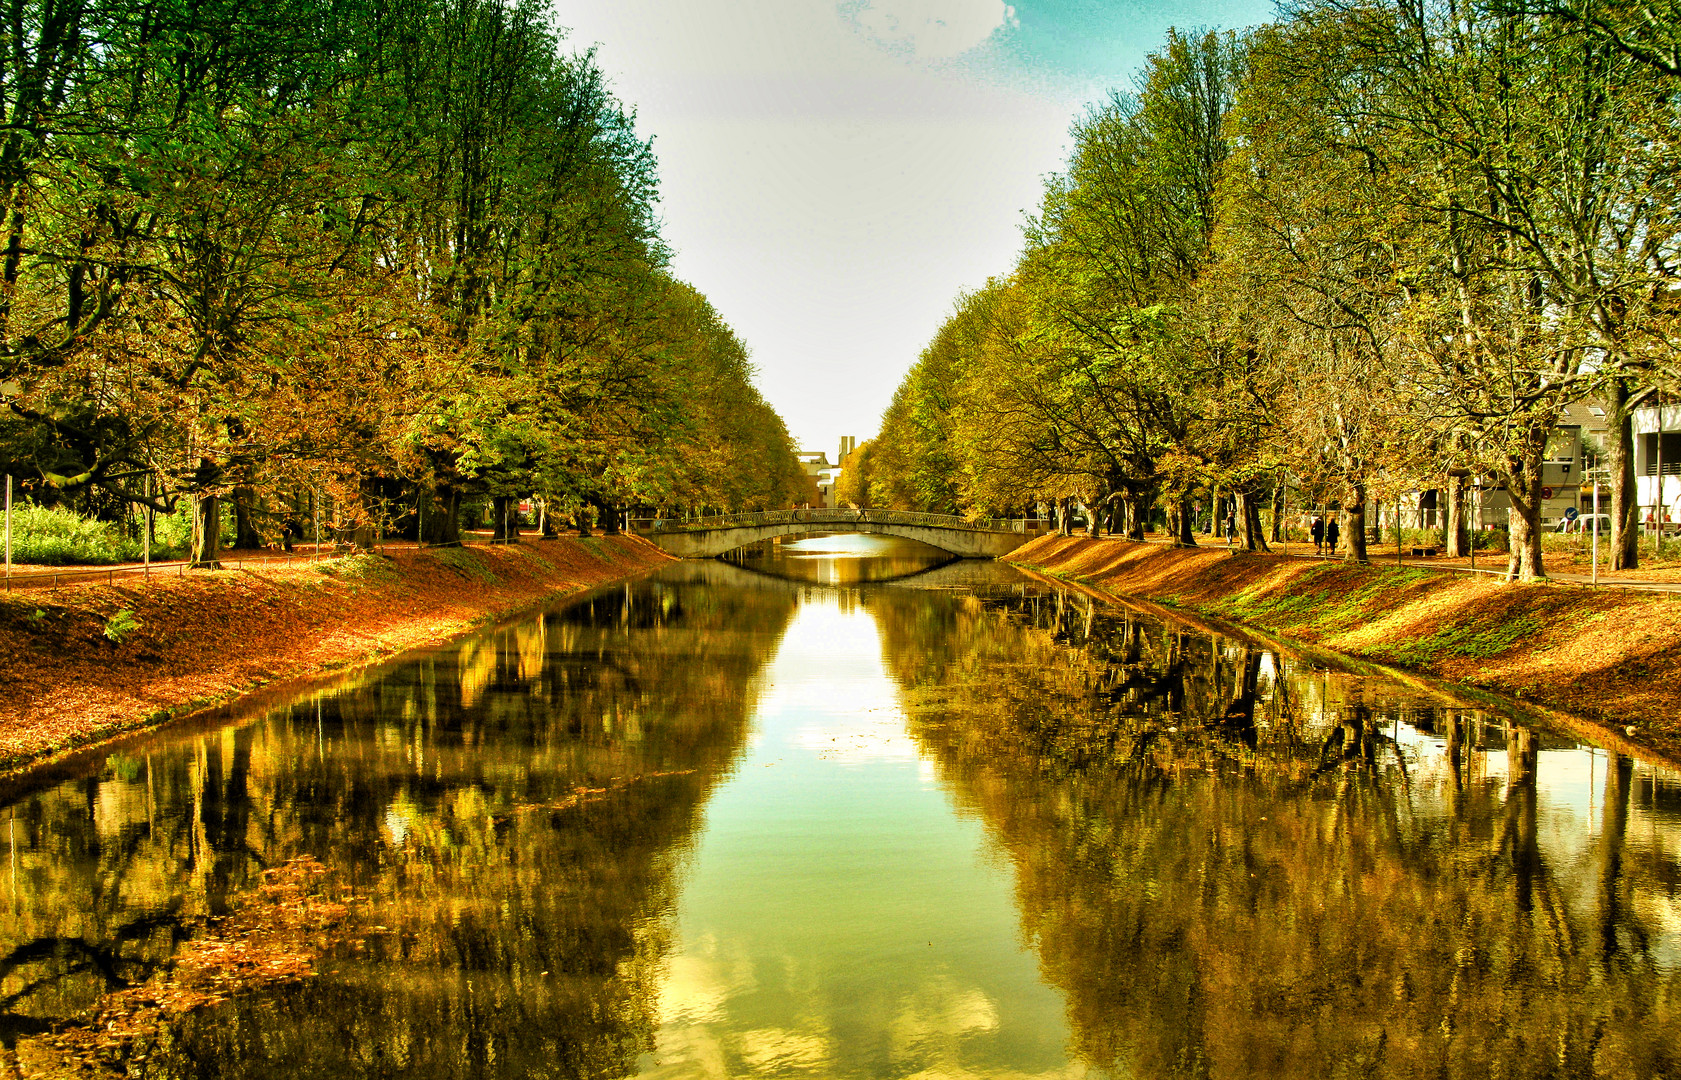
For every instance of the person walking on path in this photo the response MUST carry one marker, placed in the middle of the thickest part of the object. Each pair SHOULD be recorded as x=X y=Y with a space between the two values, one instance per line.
x=1331 y=532
x=1318 y=531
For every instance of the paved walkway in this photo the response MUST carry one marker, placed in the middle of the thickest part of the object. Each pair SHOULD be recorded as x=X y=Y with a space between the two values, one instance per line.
x=1495 y=565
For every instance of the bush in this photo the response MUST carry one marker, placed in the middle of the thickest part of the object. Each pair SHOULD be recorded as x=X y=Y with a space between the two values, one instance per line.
x=173 y=533
x=1493 y=540
x=52 y=536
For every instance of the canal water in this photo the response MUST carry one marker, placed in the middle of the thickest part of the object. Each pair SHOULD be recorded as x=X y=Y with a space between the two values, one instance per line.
x=839 y=807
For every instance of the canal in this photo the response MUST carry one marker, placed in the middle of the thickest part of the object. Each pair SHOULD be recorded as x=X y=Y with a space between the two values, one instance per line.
x=838 y=807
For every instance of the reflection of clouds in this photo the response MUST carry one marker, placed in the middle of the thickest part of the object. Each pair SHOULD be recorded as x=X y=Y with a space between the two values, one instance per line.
x=775 y=1049
x=926 y=1037
x=936 y=1019
x=686 y=1052
x=858 y=742
x=709 y=1052
x=936 y=1015
x=699 y=984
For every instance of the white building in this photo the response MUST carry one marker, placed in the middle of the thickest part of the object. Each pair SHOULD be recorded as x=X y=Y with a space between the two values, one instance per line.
x=1657 y=460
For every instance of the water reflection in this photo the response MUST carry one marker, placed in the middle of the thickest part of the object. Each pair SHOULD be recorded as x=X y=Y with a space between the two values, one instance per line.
x=841 y=921
x=840 y=558
x=516 y=810
x=1236 y=864
x=946 y=823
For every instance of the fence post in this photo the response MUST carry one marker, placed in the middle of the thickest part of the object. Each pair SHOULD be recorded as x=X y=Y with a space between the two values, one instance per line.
x=8 y=531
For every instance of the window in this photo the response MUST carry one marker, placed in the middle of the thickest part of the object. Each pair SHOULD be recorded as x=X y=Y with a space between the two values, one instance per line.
x=1647 y=453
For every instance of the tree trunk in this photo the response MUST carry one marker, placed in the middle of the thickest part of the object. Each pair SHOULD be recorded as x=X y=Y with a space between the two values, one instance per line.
x=583 y=520
x=607 y=516
x=1137 y=513
x=1522 y=836
x=443 y=515
x=289 y=527
x=245 y=533
x=1625 y=494
x=1094 y=522
x=503 y=525
x=1523 y=556
x=1064 y=524
x=1357 y=523
x=1619 y=779
x=1456 y=537
x=207 y=533
x=1278 y=534
x=1249 y=510
x=1187 y=524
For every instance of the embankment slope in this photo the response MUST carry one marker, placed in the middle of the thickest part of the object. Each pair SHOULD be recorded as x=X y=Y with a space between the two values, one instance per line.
x=1612 y=656
x=206 y=638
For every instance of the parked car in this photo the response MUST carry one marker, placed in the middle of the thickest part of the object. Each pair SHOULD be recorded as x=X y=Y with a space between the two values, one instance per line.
x=1584 y=524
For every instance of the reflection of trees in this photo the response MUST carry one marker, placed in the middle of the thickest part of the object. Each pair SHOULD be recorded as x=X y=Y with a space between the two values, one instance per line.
x=514 y=809
x=1231 y=869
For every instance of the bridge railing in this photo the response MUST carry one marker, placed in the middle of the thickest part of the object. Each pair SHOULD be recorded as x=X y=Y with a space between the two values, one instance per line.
x=839 y=516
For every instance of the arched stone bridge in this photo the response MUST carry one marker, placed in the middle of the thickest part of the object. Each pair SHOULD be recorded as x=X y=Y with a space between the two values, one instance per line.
x=701 y=538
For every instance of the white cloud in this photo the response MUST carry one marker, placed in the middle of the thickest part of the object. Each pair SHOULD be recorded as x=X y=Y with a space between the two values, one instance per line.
x=935 y=29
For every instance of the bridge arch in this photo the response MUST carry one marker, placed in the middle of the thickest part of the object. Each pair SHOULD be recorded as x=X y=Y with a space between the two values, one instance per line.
x=708 y=537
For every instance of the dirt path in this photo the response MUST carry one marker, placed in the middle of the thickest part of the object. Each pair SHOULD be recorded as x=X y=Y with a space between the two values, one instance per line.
x=1610 y=656
x=76 y=670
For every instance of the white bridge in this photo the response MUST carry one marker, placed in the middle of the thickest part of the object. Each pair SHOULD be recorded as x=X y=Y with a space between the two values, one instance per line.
x=701 y=538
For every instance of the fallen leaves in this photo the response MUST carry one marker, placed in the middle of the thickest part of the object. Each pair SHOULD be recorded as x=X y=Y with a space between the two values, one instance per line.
x=205 y=638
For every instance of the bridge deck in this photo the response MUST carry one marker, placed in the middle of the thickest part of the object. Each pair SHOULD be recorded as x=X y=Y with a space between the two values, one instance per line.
x=840 y=517
x=710 y=536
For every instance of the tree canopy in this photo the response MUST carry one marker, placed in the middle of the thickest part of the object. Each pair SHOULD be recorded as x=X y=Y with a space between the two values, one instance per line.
x=1369 y=249
x=361 y=259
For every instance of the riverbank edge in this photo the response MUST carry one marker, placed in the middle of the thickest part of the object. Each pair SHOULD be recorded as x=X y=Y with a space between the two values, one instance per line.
x=1604 y=664
x=76 y=679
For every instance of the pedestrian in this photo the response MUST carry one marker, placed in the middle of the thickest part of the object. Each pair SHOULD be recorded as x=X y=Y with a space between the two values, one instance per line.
x=1318 y=531
x=1331 y=532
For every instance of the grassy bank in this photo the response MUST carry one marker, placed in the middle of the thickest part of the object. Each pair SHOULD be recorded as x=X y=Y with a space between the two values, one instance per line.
x=81 y=664
x=1610 y=656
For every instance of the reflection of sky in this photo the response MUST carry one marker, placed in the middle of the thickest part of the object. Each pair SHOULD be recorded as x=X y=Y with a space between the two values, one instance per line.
x=840 y=918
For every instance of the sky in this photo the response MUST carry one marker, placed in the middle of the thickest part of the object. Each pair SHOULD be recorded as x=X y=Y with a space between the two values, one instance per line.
x=833 y=173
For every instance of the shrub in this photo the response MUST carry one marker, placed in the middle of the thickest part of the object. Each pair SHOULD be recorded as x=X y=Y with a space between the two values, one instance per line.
x=53 y=536
x=1496 y=540
x=57 y=537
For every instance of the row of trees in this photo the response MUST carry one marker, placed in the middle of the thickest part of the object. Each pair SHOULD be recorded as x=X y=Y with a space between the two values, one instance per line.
x=365 y=256
x=1373 y=248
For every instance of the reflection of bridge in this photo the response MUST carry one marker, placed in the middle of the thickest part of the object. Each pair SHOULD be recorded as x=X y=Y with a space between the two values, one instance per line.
x=699 y=538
